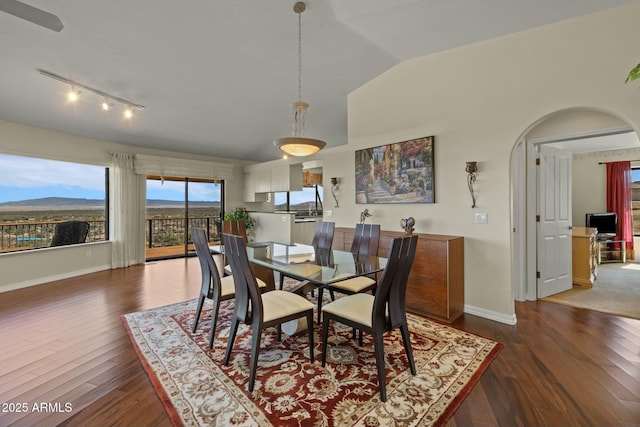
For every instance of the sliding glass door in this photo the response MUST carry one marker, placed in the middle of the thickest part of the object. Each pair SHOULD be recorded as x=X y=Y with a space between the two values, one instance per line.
x=174 y=205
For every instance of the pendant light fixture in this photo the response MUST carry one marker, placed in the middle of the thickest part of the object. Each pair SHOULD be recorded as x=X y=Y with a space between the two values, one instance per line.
x=297 y=145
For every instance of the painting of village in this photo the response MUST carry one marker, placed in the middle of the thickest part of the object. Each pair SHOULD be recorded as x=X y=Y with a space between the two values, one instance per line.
x=396 y=173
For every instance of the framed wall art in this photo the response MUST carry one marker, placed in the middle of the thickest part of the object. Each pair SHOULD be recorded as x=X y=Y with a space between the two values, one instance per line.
x=401 y=172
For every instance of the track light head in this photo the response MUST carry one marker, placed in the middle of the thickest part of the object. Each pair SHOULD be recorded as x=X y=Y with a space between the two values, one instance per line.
x=107 y=104
x=128 y=112
x=73 y=95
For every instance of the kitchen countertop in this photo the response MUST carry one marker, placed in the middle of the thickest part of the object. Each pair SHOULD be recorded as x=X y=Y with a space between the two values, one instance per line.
x=306 y=219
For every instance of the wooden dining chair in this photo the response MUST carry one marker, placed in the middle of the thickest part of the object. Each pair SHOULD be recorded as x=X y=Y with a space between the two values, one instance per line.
x=213 y=286
x=237 y=228
x=260 y=311
x=366 y=240
x=380 y=313
x=322 y=240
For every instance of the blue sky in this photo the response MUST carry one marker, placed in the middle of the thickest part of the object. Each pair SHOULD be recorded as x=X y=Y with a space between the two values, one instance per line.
x=172 y=190
x=23 y=178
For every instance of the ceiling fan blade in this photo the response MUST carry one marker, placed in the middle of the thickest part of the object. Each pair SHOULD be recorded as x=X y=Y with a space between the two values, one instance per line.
x=31 y=14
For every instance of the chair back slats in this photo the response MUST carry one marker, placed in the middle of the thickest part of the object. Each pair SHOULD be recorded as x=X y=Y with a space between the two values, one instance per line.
x=366 y=239
x=323 y=235
x=235 y=227
x=246 y=286
x=202 y=251
x=391 y=293
x=207 y=263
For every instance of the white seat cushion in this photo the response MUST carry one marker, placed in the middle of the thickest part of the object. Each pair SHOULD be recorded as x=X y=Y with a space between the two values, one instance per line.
x=228 y=286
x=355 y=284
x=356 y=307
x=279 y=304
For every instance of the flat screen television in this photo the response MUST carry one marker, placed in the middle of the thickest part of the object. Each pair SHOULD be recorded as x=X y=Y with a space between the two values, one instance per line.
x=605 y=222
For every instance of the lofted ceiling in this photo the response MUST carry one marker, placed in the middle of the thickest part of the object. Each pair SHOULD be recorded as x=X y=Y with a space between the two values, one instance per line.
x=217 y=77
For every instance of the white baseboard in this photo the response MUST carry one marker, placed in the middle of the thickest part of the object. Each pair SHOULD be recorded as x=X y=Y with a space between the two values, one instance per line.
x=491 y=315
x=47 y=279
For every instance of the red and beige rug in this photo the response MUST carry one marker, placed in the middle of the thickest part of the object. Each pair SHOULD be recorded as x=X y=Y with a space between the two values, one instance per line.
x=197 y=389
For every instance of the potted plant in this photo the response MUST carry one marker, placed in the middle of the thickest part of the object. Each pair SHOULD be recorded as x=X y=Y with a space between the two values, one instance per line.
x=241 y=214
x=633 y=74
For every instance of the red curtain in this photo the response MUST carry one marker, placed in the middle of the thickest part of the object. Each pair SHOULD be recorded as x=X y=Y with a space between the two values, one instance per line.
x=619 y=200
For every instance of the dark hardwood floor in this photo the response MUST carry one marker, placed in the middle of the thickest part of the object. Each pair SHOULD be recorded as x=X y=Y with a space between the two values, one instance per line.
x=64 y=346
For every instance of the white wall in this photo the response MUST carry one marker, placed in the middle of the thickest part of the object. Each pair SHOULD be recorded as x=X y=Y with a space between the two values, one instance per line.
x=477 y=101
x=39 y=266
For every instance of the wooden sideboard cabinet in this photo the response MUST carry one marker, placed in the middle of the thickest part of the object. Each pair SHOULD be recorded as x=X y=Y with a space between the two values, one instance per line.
x=436 y=281
x=584 y=250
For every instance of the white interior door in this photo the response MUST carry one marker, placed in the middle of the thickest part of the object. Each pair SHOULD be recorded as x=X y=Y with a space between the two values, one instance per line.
x=554 y=225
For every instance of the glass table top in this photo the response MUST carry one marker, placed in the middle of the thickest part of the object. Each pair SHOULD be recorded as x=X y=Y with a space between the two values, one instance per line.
x=303 y=263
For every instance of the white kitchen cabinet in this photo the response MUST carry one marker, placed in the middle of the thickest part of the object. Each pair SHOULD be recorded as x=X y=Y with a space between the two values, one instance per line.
x=286 y=178
x=262 y=181
x=249 y=192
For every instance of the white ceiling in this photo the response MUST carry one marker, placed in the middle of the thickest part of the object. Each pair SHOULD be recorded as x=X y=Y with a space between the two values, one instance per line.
x=617 y=141
x=217 y=77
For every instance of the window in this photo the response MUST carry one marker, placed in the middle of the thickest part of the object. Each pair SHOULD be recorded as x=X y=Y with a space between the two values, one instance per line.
x=281 y=201
x=635 y=200
x=309 y=200
x=174 y=205
x=36 y=194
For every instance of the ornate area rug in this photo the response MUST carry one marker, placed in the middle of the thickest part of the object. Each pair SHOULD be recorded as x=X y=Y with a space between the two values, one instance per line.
x=197 y=389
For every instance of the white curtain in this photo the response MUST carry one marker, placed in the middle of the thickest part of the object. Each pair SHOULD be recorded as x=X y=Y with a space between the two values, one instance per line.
x=126 y=212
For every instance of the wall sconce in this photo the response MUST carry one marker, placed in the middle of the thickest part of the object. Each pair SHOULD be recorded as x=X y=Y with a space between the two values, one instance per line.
x=335 y=190
x=471 y=169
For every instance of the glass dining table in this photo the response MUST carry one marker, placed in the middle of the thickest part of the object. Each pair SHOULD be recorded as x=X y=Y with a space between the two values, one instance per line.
x=312 y=268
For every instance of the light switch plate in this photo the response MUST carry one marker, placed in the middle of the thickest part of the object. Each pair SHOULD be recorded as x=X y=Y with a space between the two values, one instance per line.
x=481 y=218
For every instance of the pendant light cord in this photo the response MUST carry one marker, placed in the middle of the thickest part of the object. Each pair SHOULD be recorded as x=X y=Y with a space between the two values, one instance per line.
x=299 y=56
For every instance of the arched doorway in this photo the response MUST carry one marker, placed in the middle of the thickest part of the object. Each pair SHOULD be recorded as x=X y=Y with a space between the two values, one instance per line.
x=570 y=127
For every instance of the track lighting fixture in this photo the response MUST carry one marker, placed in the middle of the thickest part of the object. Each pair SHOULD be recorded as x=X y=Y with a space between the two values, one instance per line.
x=107 y=104
x=107 y=99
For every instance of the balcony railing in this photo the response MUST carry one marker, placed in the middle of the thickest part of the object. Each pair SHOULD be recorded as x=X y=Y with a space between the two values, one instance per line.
x=160 y=232
x=170 y=231
x=18 y=236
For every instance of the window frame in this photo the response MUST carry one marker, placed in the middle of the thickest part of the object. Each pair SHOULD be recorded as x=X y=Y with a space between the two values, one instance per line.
x=317 y=200
x=45 y=228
